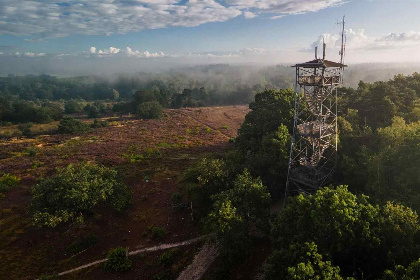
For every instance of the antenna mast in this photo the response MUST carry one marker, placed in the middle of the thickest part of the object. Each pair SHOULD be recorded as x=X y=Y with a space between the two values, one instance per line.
x=343 y=40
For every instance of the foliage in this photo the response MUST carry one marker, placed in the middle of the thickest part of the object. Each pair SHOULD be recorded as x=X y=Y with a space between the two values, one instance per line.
x=150 y=110
x=99 y=124
x=233 y=212
x=412 y=272
x=168 y=258
x=26 y=129
x=95 y=109
x=74 y=191
x=158 y=232
x=301 y=262
x=71 y=126
x=263 y=140
x=20 y=111
x=207 y=178
x=117 y=260
x=72 y=106
x=353 y=233
x=8 y=182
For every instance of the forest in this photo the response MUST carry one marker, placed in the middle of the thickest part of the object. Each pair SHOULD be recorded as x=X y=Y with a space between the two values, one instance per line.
x=363 y=226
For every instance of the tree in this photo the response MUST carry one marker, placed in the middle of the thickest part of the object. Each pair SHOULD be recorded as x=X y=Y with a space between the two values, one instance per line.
x=235 y=210
x=72 y=106
x=263 y=140
x=206 y=178
x=150 y=110
x=412 y=272
x=301 y=262
x=74 y=191
x=71 y=126
x=356 y=235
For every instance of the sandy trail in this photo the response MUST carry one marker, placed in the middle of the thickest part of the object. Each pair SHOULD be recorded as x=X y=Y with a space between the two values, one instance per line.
x=201 y=262
x=149 y=249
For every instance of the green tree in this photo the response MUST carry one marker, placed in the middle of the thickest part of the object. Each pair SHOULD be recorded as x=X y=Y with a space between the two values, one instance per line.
x=234 y=210
x=75 y=191
x=71 y=126
x=301 y=262
x=150 y=110
x=72 y=106
x=355 y=234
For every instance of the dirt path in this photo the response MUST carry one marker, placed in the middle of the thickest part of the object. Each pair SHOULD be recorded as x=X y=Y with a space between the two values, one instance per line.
x=150 y=249
x=201 y=262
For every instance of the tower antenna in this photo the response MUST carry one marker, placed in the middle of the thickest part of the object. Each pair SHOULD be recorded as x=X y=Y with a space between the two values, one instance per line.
x=343 y=40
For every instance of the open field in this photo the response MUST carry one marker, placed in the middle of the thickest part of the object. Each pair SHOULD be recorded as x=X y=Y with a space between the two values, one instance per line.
x=151 y=154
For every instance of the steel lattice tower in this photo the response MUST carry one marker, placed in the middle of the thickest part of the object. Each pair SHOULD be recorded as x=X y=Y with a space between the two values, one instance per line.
x=313 y=152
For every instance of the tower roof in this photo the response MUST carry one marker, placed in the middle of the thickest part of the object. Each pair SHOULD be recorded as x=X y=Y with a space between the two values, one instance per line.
x=319 y=63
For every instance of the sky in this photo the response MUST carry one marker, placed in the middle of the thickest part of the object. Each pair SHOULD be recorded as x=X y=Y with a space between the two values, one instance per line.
x=84 y=36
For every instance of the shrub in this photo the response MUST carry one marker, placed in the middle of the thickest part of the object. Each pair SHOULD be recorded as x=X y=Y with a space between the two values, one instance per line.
x=74 y=191
x=8 y=182
x=25 y=129
x=117 y=260
x=71 y=126
x=98 y=124
x=150 y=110
x=157 y=232
x=31 y=152
x=168 y=258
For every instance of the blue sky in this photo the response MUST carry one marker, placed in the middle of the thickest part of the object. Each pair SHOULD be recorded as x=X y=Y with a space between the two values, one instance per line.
x=267 y=31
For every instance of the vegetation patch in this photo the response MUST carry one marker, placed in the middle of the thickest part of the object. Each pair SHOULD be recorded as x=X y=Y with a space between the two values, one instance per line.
x=74 y=191
x=117 y=260
x=72 y=126
x=8 y=182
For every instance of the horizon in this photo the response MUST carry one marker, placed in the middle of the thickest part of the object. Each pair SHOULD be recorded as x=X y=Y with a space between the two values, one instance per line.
x=84 y=36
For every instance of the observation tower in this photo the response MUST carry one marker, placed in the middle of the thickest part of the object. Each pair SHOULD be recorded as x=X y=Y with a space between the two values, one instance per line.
x=313 y=151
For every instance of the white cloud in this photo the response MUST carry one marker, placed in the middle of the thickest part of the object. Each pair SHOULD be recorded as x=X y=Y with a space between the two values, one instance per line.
x=286 y=7
x=92 y=50
x=105 y=52
x=145 y=54
x=31 y=54
x=48 y=18
x=358 y=40
x=249 y=15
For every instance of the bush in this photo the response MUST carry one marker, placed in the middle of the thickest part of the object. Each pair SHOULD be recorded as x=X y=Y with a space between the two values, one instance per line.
x=117 y=260
x=168 y=258
x=25 y=129
x=98 y=124
x=8 y=182
x=71 y=126
x=150 y=110
x=74 y=191
x=157 y=232
x=72 y=106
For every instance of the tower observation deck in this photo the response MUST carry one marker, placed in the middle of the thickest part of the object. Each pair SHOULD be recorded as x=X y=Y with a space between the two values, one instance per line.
x=313 y=152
